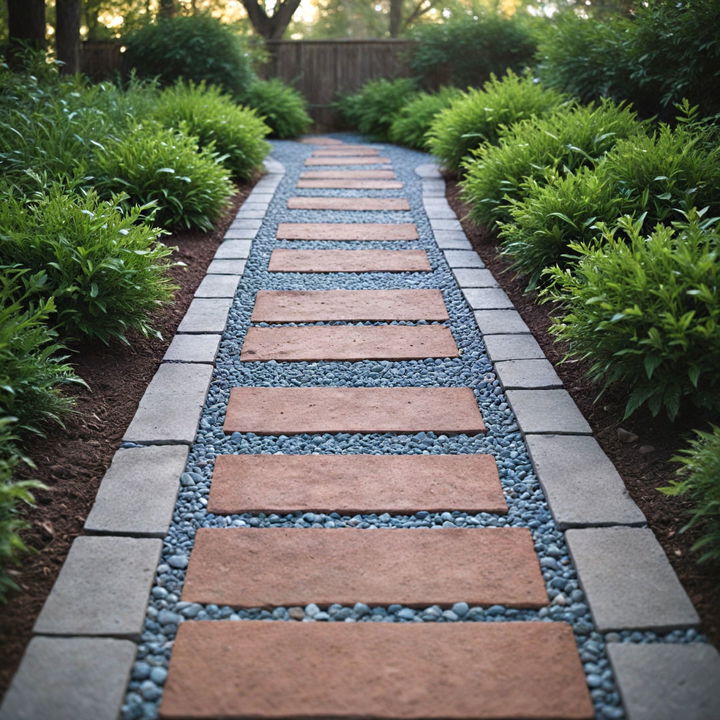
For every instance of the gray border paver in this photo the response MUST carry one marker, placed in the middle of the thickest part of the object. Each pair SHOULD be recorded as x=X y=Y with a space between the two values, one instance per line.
x=547 y=411
x=188 y=348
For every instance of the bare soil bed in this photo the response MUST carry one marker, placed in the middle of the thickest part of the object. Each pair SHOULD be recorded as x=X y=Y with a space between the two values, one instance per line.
x=72 y=460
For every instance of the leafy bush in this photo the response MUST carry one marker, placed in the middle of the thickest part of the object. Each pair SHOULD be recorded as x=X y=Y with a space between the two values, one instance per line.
x=701 y=484
x=541 y=148
x=103 y=270
x=235 y=132
x=655 y=177
x=197 y=48
x=151 y=164
x=412 y=123
x=12 y=494
x=373 y=108
x=670 y=50
x=467 y=51
x=645 y=310
x=282 y=107
x=32 y=370
x=478 y=115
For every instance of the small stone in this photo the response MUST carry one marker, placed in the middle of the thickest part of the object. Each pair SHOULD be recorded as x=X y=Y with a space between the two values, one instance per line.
x=312 y=610
x=296 y=613
x=141 y=671
x=626 y=436
x=180 y=562
x=461 y=609
x=149 y=691
x=165 y=617
x=646 y=449
x=158 y=675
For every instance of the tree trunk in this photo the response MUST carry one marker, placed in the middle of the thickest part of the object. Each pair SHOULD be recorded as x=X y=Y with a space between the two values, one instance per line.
x=167 y=8
x=26 y=28
x=271 y=27
x=396 y=9
x=67 y=35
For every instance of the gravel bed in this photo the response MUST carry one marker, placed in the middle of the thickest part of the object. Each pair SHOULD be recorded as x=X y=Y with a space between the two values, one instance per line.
x=527 y=506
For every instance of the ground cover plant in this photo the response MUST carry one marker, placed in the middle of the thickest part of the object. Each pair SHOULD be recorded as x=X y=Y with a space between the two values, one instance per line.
x=413 y=121
x=282 y=107
x=373 y=108
x=477 y=116
x=541 y=148
x=236 y=132
x=645 y=311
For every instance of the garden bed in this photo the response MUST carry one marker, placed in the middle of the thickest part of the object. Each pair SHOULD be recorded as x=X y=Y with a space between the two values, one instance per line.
x=639 y=447
x=72 y=460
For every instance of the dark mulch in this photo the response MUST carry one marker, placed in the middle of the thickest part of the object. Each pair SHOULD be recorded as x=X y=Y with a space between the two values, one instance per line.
x=72 y=460
x=639 y=447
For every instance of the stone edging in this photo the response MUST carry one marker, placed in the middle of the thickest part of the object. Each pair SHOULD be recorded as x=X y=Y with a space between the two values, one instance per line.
x=627 y=579
x=84 y=638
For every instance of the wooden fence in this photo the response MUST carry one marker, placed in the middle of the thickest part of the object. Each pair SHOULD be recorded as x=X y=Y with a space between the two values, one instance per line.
x=319 y=69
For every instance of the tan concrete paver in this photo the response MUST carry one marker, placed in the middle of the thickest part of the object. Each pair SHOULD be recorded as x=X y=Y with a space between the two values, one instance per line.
x=347 y=231
x=348 y=160
x=348 y=175
x=320 y=140
x=293 y=410
x=335 y=203
x=348 y=342
x=325 y=261
x=268 y=567
x=340 y=151
x=340 y=184
x=355 y=484
x=385 y=671
x=327 y=305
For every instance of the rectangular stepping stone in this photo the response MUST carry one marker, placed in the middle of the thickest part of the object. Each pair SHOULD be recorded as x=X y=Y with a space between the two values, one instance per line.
x=538 y=373
x=348 y=342
x=349 y=184
x=138 y=493
x=582 y=486
x=102 y=589
x=218 y=286
x=500 y=322
x=345 y=150
x=327 y=261
x=206 y=315
x=169 y=411
x=488 y=298
x=547 y=411
x=320 y=140
x=70 y=679
x=384 y=671
x=463 y=259
x=348 y=160
x=339 y=203
x=265 y=567
x=226 y=267
x=294 y=410
x=474 y=278
x=513 y=347
x=348 y=175
x=661 y=681
x=355 y=484
x=347 y=231
x=327 y=305
x=628 y=581
x=193 y=349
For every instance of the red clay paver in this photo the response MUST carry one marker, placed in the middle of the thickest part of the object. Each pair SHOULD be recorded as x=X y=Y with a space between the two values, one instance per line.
x=355 y=150
x=348 y=160
x=378 y=671
x=347 y=231
x=348 y=175
x=348 y=342
x=268 y=567
x=325 y=261
x=350 y=184
x=335 y=203
x=286 y=306
x=321 y=140
x=294 y=410
x=355 y=484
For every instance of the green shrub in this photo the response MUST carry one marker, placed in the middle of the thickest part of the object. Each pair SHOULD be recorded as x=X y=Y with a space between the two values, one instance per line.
x=645 y=311
x=12 y=494
x=104 y=270
x=373 y=108
x=282 y=107
x=235 y=132
x=700 y=482
x=151 y=164
x=540 y=148
x=197 y=48
x=669 y=50
x=412 y=123
x=477 y=116
x=468 y=50
x=656 y=177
